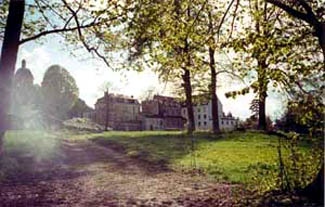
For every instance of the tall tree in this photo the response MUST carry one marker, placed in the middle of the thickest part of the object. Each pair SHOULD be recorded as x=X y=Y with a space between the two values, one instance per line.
x=106 y=88
x=60 y=92
x=8 y=58
x=82 y=23
x=264 y=53
x=313 y=13
x=164 y=34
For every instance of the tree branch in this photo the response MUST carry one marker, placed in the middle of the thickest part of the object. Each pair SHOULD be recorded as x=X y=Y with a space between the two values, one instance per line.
x=224 y=17
x=57 y=31
x=305 y=17
x=81 y=37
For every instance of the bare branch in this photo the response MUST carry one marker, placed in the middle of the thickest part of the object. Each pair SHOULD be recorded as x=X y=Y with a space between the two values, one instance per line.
x=197 y=17
x=81 y=37
x=293 y=12
x=233 y=19
x=57 y=31
x=224 y=17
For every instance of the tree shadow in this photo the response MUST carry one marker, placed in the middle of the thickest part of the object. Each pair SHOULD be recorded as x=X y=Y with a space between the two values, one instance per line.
x=154 y=152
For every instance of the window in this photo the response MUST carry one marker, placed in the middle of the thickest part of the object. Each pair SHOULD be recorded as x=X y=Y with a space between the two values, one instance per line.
x=232 y=122
x=198 y=110
x=199 y=116
x=222 y=122
x=227 y=122
x=205 y=123
x=199 y=123
x=204 y=116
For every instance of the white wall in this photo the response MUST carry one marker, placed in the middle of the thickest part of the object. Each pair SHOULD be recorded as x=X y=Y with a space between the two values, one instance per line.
x=203 y=117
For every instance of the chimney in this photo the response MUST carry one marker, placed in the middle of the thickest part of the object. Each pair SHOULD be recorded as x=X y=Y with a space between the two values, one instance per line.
x=23 y=63
x=106 y=94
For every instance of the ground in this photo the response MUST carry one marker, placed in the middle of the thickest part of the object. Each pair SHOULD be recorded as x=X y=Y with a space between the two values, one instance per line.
x=87 y=174
x=97 y=170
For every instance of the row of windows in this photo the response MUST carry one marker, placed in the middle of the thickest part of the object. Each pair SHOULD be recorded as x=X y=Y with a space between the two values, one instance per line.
x=222 y=122
x=231 y=122
x=203 y=109
x=204 y=123
x=204 y=116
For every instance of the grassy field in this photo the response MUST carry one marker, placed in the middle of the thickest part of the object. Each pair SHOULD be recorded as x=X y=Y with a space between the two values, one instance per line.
x=38 y=144
x=233 y=157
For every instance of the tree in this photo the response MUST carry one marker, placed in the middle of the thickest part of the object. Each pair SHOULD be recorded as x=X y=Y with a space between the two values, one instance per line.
x=60 y=92
x=265 y=53
x=163 y=33
x=80 y=23
x=78 y=109
x=254 y=107
x=311 y=12
x=148 y=93
x=8 y=58
x=106 y=88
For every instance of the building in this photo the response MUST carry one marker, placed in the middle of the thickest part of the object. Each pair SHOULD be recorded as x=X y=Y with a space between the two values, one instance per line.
x=203 y=116
x=162 y=113
x=118 y=112
x=23 y=86
x=228 y=122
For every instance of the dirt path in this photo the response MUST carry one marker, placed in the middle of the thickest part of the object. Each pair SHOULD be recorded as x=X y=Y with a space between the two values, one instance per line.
x=87 y=174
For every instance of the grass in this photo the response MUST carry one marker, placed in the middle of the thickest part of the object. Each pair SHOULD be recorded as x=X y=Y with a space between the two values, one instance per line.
x=37 y=144
x=232 y=157
x=23 y=146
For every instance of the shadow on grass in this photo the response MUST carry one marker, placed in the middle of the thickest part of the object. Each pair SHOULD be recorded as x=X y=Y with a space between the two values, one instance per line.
x=156 y=149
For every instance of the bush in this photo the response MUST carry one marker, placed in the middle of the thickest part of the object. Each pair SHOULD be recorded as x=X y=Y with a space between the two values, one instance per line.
x=296 y=166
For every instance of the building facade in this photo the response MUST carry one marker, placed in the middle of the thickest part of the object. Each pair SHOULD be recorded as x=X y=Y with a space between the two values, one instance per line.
x=118 y=112
x=162 y=113
x=203 y=117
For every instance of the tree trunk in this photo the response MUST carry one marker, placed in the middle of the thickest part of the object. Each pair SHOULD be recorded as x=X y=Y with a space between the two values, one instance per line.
x=315 y=189
x=261 y=112
x=189 y=103
x=262 y=90
x=214 y=99
x=107 y=112
x=8 y=58
x=322 y=39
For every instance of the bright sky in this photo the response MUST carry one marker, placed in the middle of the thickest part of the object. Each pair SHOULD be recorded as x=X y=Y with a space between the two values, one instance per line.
x=90 y=74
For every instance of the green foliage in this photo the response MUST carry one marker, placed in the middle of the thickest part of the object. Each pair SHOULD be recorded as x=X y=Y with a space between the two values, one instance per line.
x=295 y=168
x=304 y=114
x=79 y=108
x=59 y=91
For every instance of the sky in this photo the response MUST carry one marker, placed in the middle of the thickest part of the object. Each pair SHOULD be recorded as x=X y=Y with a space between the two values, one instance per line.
x=91 y=73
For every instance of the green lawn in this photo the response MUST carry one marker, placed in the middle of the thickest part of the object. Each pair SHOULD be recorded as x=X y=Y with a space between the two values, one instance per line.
x=36 y=143
x=22 y=146
x=232 y=157
x=236 y=157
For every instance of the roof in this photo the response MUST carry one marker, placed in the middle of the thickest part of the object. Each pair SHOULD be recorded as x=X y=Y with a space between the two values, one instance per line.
x=119 y=98
x=176 y=117
x=24 y=74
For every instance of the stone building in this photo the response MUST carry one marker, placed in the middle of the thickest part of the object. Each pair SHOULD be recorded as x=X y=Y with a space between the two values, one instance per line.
x=162 y=113
x=118 y=112
x=25 y=107
x=23 y=86
x=203 y=116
